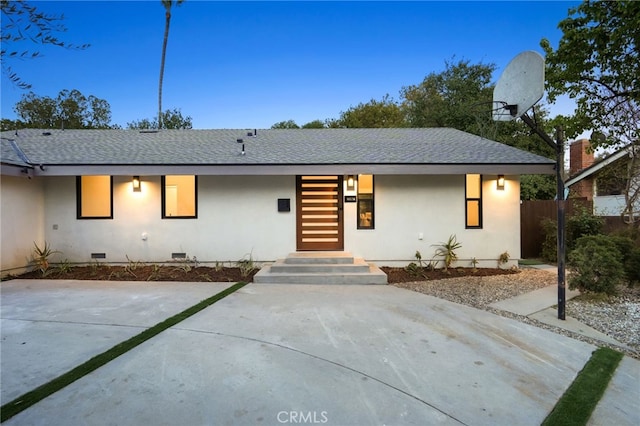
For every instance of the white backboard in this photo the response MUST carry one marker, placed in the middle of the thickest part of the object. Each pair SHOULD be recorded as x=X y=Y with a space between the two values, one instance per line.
x=521 y=85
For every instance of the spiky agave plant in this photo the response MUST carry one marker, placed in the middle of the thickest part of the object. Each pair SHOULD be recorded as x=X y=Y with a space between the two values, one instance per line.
x=448 y=251
x=41 y=257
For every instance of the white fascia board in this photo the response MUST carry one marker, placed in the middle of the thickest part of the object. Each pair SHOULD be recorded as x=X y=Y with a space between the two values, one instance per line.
x=596 y=167
x=7 y=169
x=300 y=169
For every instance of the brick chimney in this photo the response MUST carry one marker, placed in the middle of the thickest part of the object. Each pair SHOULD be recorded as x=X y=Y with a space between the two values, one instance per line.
x=579 y=160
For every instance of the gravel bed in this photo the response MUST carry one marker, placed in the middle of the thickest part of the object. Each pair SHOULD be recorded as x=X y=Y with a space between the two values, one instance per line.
x=618 y=317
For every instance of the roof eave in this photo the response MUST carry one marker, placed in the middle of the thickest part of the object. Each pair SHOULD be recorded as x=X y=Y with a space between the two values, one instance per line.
x=597 y=167
x=292 y=169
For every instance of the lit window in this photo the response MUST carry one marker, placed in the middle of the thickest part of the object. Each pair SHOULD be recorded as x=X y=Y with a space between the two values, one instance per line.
x=473 y=197
x=94 y=197
x=179 y=197
x=365 y=202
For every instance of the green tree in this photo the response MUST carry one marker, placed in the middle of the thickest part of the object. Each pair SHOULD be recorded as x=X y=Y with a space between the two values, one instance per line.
x=7 y=124
x=288 y=124
x=597 y=63
x=23 y=22
x=537 y=187
x=374 y=114
x=168 y=4
x=172 y=119
x=40 y=112
x=449 y=98
x=315 y=124
x=143 y=124
x=70 y=110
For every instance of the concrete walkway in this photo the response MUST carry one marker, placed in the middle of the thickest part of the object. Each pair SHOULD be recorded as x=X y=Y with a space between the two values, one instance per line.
x=539 y=305
x=619 y=405
x=283 y=354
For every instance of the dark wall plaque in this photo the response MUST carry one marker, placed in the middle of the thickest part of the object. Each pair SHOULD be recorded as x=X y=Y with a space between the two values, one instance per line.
x=284 y=204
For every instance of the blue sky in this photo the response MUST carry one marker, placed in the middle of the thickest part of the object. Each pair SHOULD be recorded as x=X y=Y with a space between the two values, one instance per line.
x=251 y=64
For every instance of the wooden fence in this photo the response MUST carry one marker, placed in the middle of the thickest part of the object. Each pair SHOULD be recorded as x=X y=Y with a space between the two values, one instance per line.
x=531 y=215
x=533 y=212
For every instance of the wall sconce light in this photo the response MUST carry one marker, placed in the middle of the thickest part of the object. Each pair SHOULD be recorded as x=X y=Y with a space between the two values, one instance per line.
x=351 y=183
x=136 y=184
x=500 y=182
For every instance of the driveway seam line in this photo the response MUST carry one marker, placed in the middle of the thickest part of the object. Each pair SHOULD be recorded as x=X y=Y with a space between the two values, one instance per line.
x=328 y=361
x=78 y=322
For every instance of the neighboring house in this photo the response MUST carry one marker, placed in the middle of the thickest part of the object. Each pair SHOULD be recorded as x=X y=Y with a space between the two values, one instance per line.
x=602 y=182
x=380 y=194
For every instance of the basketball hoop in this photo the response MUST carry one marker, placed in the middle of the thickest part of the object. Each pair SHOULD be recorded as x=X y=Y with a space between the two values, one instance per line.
x=520 y=87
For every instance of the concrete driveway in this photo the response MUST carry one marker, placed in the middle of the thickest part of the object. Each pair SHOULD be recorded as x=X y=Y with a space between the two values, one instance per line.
x=278 y=354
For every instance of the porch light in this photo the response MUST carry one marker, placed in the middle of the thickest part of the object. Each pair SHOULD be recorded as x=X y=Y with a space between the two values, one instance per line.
x=500 y=182
x=351 y=183
x=136 y=184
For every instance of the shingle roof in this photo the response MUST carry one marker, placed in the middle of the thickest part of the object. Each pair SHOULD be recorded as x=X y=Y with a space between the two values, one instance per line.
x=11 y=154
x=270 y=147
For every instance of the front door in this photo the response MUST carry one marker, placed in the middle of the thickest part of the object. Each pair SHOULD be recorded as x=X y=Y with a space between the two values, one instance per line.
x=319 y=213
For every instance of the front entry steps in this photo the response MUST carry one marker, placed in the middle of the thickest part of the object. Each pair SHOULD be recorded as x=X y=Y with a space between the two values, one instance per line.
x=320 y=267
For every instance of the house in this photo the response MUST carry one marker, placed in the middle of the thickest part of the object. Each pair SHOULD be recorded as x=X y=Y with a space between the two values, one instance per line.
x=602 y=182
x=220 y=195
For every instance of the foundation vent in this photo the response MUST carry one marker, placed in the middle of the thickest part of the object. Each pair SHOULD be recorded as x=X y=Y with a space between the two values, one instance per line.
x=178 y=255
x=98 y=255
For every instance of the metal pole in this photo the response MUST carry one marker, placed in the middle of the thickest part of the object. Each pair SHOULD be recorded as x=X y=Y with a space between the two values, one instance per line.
x=559 y=149
x=561 y=225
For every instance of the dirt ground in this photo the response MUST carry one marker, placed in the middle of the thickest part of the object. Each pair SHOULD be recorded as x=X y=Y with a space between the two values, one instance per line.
x=403 y=275
x=188 y=273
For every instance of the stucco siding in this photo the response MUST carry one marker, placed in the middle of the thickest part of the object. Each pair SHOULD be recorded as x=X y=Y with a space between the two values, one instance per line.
x=414 y=213
x=21 y=221
x=237 y=217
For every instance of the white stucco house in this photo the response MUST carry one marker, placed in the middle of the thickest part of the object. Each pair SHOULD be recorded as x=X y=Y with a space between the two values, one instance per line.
x=380 y=194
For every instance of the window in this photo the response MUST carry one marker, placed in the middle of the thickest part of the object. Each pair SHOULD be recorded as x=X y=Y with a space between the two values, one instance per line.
x=179 y=197
x=94 y=197
x=473 y=197
x=365 y=202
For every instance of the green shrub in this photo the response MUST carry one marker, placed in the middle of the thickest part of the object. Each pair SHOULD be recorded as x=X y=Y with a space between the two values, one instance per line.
x=550 y=242
x=631 y=232
x=629 y=257
x=582 y=222
x=597 y=265
x=632 y=267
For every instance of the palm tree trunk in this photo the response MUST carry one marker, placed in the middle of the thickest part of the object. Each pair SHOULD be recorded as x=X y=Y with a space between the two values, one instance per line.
x=164 y=53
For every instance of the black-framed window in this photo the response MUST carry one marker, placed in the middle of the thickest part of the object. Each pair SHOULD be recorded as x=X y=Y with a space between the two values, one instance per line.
x=366 y=216
x=473 y=201
x=179 y=196
x=94 y=197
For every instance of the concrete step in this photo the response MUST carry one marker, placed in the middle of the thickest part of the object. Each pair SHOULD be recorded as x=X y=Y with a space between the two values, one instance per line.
x=320 y=268
x=283 y=267
x=373 y=276
x=319 y=257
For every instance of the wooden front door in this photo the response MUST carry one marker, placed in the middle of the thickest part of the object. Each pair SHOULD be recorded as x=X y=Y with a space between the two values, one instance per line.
x=319 y=213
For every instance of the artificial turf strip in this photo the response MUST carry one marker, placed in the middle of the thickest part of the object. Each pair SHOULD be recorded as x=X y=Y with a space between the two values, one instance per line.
x=578 y=402
x=26 y=400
